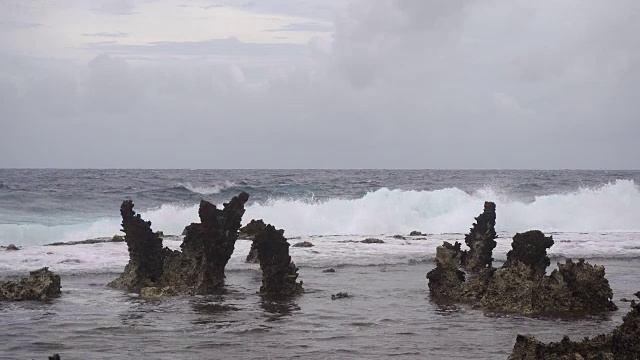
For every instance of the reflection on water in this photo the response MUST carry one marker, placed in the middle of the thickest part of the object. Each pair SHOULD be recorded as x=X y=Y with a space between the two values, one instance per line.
x=278 y=307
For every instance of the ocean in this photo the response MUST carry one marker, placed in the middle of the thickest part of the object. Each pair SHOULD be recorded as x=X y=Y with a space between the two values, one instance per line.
x=590 y=214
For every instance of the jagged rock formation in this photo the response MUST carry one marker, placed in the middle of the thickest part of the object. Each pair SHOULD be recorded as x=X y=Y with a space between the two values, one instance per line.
x=146 y=255
x=40 y=285
x=249 y=231
x=198 y=268
x=530 y=248
x=623 y=343
x=520 y=285
x=481 y=240
x=279 y=273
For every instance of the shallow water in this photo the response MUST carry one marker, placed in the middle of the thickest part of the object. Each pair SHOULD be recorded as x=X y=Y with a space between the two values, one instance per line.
x=591 y=214
x=389 y=314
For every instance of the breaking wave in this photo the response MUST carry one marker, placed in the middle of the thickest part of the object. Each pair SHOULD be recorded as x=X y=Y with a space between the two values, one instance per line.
x=613 y=207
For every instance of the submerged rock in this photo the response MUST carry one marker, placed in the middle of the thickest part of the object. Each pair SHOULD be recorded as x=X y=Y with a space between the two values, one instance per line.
x=399 y=237
x=198 y=267
x=520 y=285
x=40 y=285
x=622 y=343
x=303 y=244
x=372 y=241
x=330 y=270
x=340 y=295
x=481 y=240
x=279 y=273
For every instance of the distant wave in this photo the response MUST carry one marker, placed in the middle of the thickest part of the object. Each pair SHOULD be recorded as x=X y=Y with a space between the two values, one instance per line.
x=207 y=190
x=613 y=207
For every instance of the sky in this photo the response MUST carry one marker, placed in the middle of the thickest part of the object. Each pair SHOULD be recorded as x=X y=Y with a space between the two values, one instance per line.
x=466 y=84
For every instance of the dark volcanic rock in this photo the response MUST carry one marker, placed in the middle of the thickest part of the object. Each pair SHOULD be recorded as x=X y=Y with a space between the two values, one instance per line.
x=302 y=244
x=530 y=248
x=446 y=280
x=146 y=255
x=372 y=241
x=12 y=247
x=520 y=285
x=481 y=240
x=206 y=248
x=330 y=270
x=340 y=295
x=198 y=268
x=622 y=343
x=400 y=237
x=249 y=231
x=40 y=285
x=279 y=273
x=416 y=233
x=54 y=357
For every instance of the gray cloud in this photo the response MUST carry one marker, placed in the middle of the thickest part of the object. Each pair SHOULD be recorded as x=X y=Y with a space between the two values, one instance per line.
x=115 y=7
x=403 y=84
x=16 y=25
x=108 y=34
x=306 y=26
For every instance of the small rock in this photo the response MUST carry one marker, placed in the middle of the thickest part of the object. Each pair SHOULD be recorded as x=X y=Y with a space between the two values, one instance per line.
x=372 y=241
x=399 y=237
x=340 y=295
x=331 y=270
x=416 y=233
x=302 y=244
x=625 y=300
x=637 y=294
x=54 y=357
x=117 y=238
x=160 y=233
x=12 y=247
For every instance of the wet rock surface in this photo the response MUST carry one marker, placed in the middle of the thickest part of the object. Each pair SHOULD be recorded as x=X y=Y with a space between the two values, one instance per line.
x=198 y=268
x=303 y=244
x=12 y=247
x=41 y=285
x=340 y=295
x=249 y=232
x=279 y=273
x=372 y=241
x=416 y=233
x=520 y=285
x=622 y=343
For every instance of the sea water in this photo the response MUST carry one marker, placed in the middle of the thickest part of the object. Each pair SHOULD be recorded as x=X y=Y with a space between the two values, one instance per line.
x=590 y=214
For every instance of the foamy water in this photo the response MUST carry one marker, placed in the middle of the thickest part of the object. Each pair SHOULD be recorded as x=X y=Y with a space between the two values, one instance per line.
x=613 y=207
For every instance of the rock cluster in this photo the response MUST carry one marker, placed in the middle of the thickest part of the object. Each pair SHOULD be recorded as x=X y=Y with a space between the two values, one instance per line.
x=198 y=268
x=40 y=285
x=623 y=343
x=520 y=285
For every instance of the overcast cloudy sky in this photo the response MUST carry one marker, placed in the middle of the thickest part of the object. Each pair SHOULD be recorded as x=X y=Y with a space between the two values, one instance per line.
x=320 y=83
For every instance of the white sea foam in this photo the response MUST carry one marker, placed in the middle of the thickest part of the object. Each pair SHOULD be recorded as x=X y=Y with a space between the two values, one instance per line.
x=614 y=207
x=329 y=251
